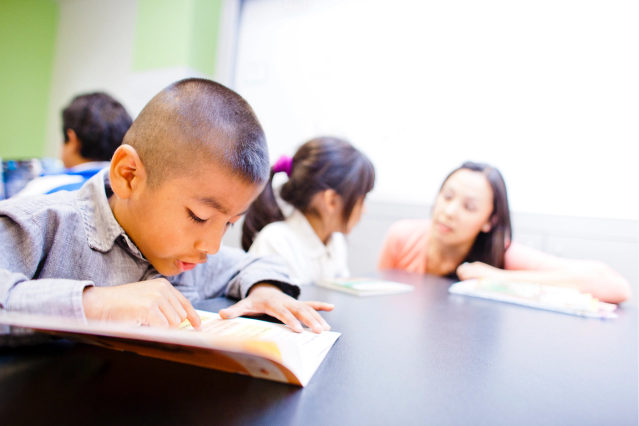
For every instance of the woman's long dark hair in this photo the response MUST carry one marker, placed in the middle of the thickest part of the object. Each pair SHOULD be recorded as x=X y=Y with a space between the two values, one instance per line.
x=490 y=247
x=320 y=164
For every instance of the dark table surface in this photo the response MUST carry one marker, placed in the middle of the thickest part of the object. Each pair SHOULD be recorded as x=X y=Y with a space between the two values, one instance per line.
x=421 y=358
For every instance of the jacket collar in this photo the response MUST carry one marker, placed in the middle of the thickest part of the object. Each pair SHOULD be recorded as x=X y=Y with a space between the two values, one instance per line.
x=100 y=225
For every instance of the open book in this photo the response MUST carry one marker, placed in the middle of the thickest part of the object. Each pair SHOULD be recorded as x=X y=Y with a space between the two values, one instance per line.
x=365 y=286
x=551 y=298
x=246 y=346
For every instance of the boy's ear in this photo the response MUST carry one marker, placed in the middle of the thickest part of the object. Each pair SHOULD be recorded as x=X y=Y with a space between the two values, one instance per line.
x=127 y=173
x=73 y=142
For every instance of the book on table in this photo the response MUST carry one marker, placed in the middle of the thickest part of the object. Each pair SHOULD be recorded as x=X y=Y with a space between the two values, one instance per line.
x=552 y=298
x=365 y=286
x=246 y=346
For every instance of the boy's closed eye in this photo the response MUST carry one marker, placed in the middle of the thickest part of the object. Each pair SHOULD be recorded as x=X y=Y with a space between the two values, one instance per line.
x=200 y=221
x=195 y=218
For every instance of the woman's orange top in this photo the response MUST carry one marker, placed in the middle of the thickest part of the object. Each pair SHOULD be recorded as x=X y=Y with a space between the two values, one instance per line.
x=406 y=248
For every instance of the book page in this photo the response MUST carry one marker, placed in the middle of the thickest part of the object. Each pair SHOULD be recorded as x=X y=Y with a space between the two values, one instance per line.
x=302 y=352
x=250 y=329
x=560 y=299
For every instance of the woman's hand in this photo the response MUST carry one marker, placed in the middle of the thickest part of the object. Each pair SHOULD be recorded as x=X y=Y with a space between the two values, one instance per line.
x=467 y=271
x=586 y=276
x=268 y=299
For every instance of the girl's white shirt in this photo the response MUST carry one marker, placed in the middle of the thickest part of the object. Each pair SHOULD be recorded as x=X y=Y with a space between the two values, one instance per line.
x=295 y=240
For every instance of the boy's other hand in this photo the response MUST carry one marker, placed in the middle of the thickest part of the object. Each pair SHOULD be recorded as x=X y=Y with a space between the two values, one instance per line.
x=154 y=302
x=268 y=299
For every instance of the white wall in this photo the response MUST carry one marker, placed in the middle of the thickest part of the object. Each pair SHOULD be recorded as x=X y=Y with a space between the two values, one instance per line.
x=544 y=90
x=94 y=52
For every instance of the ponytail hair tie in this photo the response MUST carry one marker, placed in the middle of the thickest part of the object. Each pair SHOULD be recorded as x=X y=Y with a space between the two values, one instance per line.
x=283 y=164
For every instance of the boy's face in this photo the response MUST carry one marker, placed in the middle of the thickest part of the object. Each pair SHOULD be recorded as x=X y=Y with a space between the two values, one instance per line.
x=178 y=223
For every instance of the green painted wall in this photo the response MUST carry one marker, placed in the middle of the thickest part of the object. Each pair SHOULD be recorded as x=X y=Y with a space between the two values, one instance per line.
x=27 y=42
x=169 y=33
x=172 y=33
x=204 y=33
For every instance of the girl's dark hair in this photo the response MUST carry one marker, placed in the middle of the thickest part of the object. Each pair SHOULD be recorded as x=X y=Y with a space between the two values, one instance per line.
x=320 y=164
x=490 y=247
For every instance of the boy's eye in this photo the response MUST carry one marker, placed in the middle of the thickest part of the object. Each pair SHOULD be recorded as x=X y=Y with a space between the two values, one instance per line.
x=194 y=218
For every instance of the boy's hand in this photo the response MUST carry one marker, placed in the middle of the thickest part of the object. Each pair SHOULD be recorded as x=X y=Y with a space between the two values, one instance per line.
x=154 y=302
x=268 y=299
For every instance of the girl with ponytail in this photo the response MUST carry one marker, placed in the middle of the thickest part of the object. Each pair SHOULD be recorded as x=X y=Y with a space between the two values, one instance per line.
x=305 y=219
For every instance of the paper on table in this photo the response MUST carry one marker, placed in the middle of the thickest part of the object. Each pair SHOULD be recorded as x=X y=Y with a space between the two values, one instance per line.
x=553 y=298
x=365 y=286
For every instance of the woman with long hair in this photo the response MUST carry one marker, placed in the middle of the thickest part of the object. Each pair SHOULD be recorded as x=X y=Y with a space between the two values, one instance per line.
x=469 y=236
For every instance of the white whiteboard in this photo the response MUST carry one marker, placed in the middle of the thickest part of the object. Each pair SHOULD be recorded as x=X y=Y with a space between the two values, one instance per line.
x=546 y=90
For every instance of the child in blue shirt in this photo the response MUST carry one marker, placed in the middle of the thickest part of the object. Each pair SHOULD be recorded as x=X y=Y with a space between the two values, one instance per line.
x=93 y=126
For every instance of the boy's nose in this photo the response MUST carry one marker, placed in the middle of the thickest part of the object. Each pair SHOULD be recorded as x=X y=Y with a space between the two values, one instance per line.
x=209 y=242
x=208 y=247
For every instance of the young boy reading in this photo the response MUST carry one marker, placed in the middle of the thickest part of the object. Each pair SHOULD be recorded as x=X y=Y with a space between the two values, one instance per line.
x=141 y=240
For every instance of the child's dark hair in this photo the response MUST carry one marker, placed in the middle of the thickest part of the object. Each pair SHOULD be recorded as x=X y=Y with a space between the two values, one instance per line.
x=320 y=164
x=99 y=121
x=490 y=247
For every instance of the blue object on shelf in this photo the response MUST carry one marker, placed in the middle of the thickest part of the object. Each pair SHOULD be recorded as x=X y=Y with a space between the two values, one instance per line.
x=16 y=175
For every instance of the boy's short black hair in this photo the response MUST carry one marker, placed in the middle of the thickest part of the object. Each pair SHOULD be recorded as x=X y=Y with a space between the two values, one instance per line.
x=197 y=122
x=99 y=121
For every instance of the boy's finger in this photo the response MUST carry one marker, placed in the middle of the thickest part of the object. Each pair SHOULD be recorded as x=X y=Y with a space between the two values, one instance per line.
x=305 y=316
x=234 y=311
x=157 y=319
x=318 y=317
x=320 y=306
x=169 y=313
x=175 y=303
x=286 y=317
x=191 y=314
